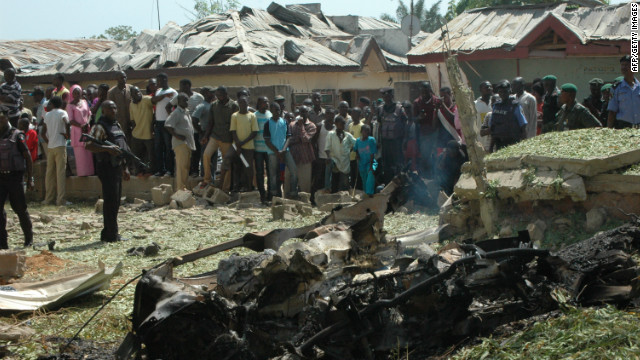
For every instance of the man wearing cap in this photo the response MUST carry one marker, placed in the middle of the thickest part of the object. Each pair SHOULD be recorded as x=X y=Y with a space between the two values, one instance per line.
x=424 y=112
x=550 y=106
x=392 y=120
x=573 y=115
x=593 y=102
x=281 y=102
x=624 y=106
x=507 y=123
x=528 y=104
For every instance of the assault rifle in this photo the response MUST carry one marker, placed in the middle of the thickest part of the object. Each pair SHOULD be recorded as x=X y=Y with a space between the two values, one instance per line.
x=124 y=153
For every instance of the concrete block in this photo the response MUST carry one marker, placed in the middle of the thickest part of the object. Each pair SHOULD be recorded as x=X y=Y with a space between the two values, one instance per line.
x=161 y=195
x=305 y=210
x=305 y=197
x=216 y=196
x=12 y=264
x=251 y=197
x=184 y=198
x=99 y=206
x=199 y=190
x=173 y=205
x=336 y=198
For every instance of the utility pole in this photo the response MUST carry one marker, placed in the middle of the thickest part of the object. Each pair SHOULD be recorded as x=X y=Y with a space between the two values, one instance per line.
x=158 y=7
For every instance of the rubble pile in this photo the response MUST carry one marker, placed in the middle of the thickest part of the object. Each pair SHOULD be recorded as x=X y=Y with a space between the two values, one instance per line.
x=346 y=291
x=551 y=175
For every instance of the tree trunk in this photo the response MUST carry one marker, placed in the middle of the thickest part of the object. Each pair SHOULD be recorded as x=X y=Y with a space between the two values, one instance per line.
x=470 y=129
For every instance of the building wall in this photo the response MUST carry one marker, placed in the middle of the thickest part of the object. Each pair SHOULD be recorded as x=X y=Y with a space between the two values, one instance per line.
x=372 y=77
x=576 y=70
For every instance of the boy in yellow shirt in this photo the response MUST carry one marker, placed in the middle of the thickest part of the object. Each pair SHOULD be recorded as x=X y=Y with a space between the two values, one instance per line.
x=244 y=128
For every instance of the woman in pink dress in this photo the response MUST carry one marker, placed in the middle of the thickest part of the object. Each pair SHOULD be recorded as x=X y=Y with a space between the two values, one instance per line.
x=79 y=116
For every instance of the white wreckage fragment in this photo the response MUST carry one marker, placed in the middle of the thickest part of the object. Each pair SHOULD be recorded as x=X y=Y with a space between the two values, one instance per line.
x=54 y=292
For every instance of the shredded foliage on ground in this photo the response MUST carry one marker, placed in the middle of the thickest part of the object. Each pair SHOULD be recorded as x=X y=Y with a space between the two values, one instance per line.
x=633 y=170
x=582 y=144
x=176 y=231
x=604 y=333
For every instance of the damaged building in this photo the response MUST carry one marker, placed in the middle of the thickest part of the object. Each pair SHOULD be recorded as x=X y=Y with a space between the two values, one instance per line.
x=296 y=46
x=575 y=43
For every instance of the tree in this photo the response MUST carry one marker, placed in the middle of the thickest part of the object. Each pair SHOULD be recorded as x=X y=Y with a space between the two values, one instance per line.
x=118 y=33
x=204 y=8
x=430 y=19
x=458 y=7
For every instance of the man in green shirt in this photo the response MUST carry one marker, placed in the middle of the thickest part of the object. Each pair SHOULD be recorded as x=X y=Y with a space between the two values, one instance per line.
x=218 y=136
x=573 y=115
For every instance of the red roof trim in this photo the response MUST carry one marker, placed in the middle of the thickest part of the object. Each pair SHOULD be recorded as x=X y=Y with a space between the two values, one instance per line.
x=550 y=22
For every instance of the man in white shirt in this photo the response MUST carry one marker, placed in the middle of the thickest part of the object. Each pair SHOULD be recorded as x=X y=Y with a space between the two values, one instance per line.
x=483 y=107
x=180 y=127
x=162 y=138
x=528 y=104
x=56 y=130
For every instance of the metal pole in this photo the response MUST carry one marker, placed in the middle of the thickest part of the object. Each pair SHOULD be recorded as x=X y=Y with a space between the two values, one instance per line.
x=411 y=26
x=158 y=7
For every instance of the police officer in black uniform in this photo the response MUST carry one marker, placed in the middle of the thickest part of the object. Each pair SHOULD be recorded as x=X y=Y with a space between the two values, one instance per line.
x=507 y=123
x=14 y=160
x=110 y=167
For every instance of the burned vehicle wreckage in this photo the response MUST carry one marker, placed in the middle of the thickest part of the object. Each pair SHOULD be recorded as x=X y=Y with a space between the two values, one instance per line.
x=348 y=290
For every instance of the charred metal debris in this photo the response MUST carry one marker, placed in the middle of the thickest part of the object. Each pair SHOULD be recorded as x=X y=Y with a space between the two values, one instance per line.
x=347 y=290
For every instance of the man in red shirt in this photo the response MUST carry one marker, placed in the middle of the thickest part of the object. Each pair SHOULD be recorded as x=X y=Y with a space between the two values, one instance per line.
x=31 y=137
x=424 y=113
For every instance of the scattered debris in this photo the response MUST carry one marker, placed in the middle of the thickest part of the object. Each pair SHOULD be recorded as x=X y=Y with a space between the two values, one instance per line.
x=184 y=199
x=149 y=250
x=54 y=292
x=12 y=264
x=15 y=333
x=161 y=195
x=99 y=206
x=350 y=292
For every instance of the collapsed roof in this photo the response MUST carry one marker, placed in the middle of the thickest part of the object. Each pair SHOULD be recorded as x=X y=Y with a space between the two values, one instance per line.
x=507 y=28
x=296 y=35
x=32 y=55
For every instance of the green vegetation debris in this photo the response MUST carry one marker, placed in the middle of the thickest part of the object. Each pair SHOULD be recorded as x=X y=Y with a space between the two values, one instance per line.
x=604 y=333
x=584 y=144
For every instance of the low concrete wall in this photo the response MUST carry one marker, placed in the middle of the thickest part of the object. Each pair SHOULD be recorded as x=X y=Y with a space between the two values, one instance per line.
x=90 y=188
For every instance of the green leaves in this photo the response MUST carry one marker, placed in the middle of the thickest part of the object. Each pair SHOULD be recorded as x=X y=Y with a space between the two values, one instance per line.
x=576 y=144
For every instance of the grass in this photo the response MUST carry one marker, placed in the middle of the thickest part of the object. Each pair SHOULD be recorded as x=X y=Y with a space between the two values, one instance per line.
x=576 y=144
x=176 y=231
x=591 y=333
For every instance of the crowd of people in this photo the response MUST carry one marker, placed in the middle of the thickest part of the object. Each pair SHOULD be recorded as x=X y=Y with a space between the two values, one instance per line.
x=311 y=148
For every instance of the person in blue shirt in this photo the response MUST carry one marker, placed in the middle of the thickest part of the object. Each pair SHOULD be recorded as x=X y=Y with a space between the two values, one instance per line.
x=276 y=135
x=624 y=105
x=366 y=149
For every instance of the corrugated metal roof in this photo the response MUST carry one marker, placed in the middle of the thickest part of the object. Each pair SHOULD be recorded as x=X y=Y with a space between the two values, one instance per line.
x=246 y=37
x=29 y=52
x=371 y=23
x=504 y=27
